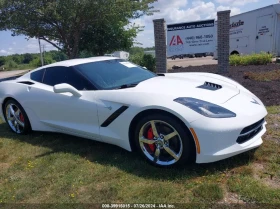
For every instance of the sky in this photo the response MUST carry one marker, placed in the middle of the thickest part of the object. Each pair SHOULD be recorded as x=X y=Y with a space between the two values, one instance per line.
x=172 y=11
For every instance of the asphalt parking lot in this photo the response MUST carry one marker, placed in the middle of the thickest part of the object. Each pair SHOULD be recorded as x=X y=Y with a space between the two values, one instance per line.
x=191 y=62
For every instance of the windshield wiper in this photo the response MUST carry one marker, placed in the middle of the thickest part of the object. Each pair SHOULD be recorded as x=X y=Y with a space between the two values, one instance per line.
x=127 y=86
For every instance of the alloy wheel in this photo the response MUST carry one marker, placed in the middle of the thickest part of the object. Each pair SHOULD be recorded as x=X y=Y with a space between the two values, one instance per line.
x=160 y=142
x=15 y=118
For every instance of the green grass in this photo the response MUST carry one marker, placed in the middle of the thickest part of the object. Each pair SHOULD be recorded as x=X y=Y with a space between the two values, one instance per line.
x=209 y=192
x=57 y=168
x=17 y=67
x=252 y=59
x=273 y=109
x=251 y=190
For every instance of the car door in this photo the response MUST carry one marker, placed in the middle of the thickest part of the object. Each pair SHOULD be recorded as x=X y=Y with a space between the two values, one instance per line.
x=63 y=111
x=264 y=34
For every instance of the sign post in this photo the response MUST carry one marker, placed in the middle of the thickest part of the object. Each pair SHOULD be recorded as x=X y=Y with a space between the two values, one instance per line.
x=223 y=41
x=160 y=45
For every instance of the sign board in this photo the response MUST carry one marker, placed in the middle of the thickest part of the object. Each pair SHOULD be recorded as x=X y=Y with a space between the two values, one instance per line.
x=191 y=38
x=236 y=28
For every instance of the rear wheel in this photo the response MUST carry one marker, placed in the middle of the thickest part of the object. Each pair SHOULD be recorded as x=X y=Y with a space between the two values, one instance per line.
x=163 y=141
x=16 y=117
x=234 y=53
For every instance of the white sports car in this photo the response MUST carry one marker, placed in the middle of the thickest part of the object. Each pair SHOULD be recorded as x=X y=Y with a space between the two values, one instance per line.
x=169 y=118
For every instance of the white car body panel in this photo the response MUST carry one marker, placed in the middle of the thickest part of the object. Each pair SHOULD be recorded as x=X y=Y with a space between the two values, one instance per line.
x=83 y=116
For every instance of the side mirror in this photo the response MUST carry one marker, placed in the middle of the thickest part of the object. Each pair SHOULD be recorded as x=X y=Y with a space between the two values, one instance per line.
x=66 y=88
x=145 y=68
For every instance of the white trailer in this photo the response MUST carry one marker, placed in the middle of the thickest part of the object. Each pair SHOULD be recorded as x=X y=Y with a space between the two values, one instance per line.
x=121 y=54
x=255 y=31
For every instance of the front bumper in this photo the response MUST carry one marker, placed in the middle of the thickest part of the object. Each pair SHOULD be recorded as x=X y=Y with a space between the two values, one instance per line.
x=218 y=137
x=218 y=146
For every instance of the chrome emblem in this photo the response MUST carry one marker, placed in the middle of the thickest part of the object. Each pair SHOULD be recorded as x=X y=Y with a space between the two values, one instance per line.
x=255 y=102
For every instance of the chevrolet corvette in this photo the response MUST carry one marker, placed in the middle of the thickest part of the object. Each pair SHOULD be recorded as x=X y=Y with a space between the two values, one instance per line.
x=170 y=119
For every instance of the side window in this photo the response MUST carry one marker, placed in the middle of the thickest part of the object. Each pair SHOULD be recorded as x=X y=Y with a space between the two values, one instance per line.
x=55 y=75
x=76 y=80
x=37 y=75
x=58 y=75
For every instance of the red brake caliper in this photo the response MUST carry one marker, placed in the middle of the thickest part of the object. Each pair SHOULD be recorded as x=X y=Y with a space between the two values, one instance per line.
x=150 y=136
x=21 y=117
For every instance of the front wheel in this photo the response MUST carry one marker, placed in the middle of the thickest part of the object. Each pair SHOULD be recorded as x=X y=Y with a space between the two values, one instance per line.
x=16 y=117
x=163 y=141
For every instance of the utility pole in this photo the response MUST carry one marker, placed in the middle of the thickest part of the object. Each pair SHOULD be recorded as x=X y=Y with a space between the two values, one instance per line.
x=44 y=52
x=42 y=61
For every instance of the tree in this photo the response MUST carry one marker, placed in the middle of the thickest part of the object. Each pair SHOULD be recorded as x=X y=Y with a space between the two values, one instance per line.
x=136 y=50
x=71 y=26
x=2 y=61
x=17 y=58
x=149 y=48
x=57 y=55
x=37 y=61
x=107 y=37
x=85 y=54
x=27 y=58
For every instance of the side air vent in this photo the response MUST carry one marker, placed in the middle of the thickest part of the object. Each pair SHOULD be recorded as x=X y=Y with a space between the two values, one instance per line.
x=210 y=86
x=114 y=116
x=26 y=82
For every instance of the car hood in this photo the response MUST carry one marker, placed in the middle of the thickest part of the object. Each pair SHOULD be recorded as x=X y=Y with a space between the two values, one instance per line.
x=205 y=86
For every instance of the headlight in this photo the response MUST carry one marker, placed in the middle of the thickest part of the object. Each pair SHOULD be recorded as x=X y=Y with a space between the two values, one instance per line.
x=205 y=108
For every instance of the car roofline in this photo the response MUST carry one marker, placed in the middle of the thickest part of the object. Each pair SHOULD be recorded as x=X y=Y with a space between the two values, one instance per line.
x=70 y=63
x=78 y=61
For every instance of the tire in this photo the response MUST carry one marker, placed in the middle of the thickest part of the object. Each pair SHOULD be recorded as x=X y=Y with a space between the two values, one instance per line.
x=234 y=53
x=18 y=122
x=181 y=144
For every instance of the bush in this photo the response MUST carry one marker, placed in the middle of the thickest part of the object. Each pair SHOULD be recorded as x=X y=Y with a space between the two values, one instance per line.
x=137 y=58
x=252 y=59
x=48 y=60
x=144 y=60
x=37 y=61
x=10 y=65
x=17 y=58
x=24 y=67
x=149 y=62
x=2 y=61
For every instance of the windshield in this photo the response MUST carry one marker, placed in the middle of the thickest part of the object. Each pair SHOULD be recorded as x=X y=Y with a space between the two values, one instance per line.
x=112 y=74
